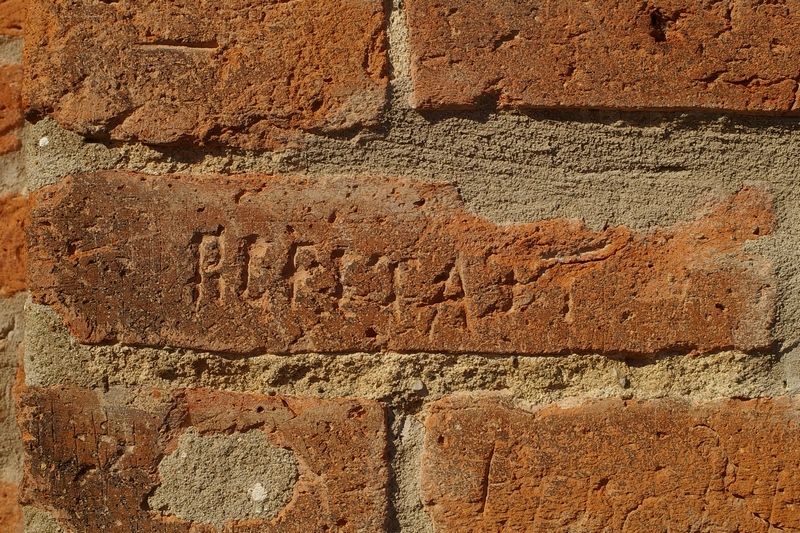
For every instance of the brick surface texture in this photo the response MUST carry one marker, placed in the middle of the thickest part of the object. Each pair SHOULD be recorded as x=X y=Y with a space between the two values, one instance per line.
x=257 y=264
x=93 y=458
x=13 y=253
x=612 y=466
x=740 y=56
x=12 y=17
x=250 y=73
x=10 y=510
x=10 y=107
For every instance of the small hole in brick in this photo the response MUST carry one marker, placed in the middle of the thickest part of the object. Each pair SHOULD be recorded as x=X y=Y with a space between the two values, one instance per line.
x=370 y=333
x=259 y=409
x=720 y=307
x=658 y=26
x=440 y=440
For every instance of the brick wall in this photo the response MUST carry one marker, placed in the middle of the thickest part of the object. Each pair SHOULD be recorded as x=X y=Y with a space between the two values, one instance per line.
x=404 y=267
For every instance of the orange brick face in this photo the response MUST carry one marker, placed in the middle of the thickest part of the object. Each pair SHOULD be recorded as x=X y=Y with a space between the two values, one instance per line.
x=250 y=73
x=737 y=56
x=612 y=466
x=94 y=459
x=253 y=264
x=10 y=107
x=13 y=253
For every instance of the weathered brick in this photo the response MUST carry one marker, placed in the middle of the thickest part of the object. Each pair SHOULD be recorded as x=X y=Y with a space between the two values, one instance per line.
x=93 y=458
x=250 y=73
x=250 y=264
x=13 y=252
x=10 y=510
x=740 y=56
x=12 y=16
x=612 y=465
x=10 y=107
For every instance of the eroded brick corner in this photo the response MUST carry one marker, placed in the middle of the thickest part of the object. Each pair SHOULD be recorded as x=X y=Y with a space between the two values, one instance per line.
x=257 y=264
x=612 y=465
x=93 y=458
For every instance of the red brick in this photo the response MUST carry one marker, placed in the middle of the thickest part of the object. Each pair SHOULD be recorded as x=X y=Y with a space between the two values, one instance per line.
x=10 y=107
x=738 y=56
x=12 y=17
x=93 y=458
x=10 y=510
x=612 y=466
x=250 y=73
x=13 y=253
x=250 y=264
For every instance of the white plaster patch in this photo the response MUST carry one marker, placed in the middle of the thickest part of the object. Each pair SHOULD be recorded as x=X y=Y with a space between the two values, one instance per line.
x=44 y=141
x=258 y=493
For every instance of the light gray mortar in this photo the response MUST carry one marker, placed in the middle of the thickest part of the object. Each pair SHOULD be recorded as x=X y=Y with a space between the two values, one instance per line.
x=12 y=332
x=216 y=479
x=10 y=50
x=12 y=174
x=408 y=434
x=36 y=520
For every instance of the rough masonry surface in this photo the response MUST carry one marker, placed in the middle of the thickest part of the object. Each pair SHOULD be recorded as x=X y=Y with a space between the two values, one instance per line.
x=10 y=107
x=612 y=465
x=253 y=264
x=738 y=56
x=93 y=458
x=249 y=73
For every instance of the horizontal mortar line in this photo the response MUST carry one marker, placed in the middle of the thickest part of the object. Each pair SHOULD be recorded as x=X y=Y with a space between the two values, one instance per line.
x=649 y=358
x=178 y=45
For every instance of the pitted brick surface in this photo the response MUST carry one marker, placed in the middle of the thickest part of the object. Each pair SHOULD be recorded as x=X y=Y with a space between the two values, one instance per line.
x=738 y=56
x=250 y=73
x=251 y=264
x=13 y=253
x=612 y=466
x=10 y=107
x=93 y=458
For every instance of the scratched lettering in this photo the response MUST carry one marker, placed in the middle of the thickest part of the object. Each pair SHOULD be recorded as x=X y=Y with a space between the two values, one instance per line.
x=286 y=265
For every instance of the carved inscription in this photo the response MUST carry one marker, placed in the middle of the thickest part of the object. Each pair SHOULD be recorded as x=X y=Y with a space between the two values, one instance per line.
x=288 y=265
